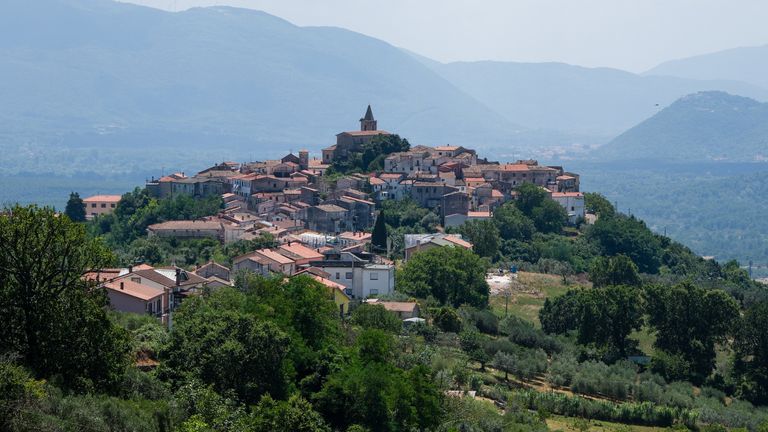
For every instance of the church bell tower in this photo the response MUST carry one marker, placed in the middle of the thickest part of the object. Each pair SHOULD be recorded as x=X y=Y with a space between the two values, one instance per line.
x=368 y=123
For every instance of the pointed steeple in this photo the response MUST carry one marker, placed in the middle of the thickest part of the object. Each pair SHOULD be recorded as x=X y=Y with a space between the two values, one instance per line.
x=368 y=123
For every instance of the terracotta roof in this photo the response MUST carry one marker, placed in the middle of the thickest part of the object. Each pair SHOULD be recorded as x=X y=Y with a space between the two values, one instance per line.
x=349 y=235
x=479 y=214
x=329 y=283
x=102 y=198
x=274 y=256
x=376 y=181
x=566 y=177
x=330 y=208
x=567 y=194
x=359 y=200
x=497 y=194
x=447 y=148
x=133 y=289
x=301 y=251
x=365 y=133
x=457 y=241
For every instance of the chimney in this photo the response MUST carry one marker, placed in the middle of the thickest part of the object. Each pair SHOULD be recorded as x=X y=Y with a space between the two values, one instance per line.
x=178 y=276
x=130 y=269
x=122 y=285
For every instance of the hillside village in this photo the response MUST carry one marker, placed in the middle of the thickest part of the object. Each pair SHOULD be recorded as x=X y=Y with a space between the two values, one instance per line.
x=322 y=219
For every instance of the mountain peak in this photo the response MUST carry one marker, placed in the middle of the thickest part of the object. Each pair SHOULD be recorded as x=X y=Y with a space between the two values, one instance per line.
x=703 y=126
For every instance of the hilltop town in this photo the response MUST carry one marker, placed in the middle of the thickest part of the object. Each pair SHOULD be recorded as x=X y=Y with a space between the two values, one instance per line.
x=321 y=217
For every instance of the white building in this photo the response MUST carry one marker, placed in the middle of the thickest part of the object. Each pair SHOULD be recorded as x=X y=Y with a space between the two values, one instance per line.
x=361 y=279
x=572 y=202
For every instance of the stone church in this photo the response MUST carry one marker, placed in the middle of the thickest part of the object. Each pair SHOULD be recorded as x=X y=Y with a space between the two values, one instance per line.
x=353 y=140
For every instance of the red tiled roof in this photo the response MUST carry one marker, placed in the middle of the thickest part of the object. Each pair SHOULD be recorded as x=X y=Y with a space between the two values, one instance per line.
x=133 y=289
x=457 y=241
x=102 y=198
x=365 y=133
x=567 y=194
x=479 y=214
x=301 y=251
x=274 y=256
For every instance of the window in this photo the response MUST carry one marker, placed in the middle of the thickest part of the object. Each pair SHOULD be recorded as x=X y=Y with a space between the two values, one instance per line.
x=112 y=205
x=573 y=208
x=348 y=275
x=136 y=279
x=337 y=276
x=374 y=276
x=93 y=205
x=374 y=292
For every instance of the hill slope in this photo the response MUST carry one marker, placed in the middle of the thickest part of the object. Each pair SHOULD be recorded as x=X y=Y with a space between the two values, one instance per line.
x=599 y=101
x=702 y=126
x=747 y=64
x=113 y=77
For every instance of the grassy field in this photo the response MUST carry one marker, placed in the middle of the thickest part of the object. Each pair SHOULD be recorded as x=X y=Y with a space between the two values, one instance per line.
x=568 y=424
x=527 y=294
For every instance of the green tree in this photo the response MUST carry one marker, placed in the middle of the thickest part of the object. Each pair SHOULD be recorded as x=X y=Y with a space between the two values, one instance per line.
x=603 y=317
x=529 y=197
x=512 y=223
x=75 y=209
x=630 y=237
x=597 y=204
x=379 y=235
x=53 y=318
x=375 y=316
x=549 y=217
x=215 y=342
x=504 y=362
x=293 y=415
x=751 y=354
x=608 y=316
x=483 y=235
x=447 y=319
x=617 y=270
x=689 y=321
x=451 y=275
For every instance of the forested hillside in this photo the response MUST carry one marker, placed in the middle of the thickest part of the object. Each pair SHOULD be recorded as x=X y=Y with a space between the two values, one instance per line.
x=705 y=126
x=609 y=325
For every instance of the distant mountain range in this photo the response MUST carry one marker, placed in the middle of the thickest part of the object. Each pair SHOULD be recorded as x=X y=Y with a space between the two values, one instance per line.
x=706 y=126
x=597 y=101
x=98 y=83
x=746 y=64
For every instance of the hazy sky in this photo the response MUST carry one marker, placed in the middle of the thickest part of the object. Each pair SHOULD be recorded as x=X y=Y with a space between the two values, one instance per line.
x=629 y=34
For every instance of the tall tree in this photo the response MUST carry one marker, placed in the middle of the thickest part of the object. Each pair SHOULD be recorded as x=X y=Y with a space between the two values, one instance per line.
x=451 y=275
x=379 y=235
x=75 y=209
x=53 y=318
x=689 y=321
x=483 y=235
x=751 y=354
x=512 y=223
x=618 y=270
x=598 y=204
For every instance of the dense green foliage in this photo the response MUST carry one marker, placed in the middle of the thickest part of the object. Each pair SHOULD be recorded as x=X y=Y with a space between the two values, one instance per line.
x=373 y=316
x=689 y=322
x=405 y=217
x=53 y=319
x=751 y=354
x=75 y=209
x=483 y=235
x=449 y=275
x=370 y=156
